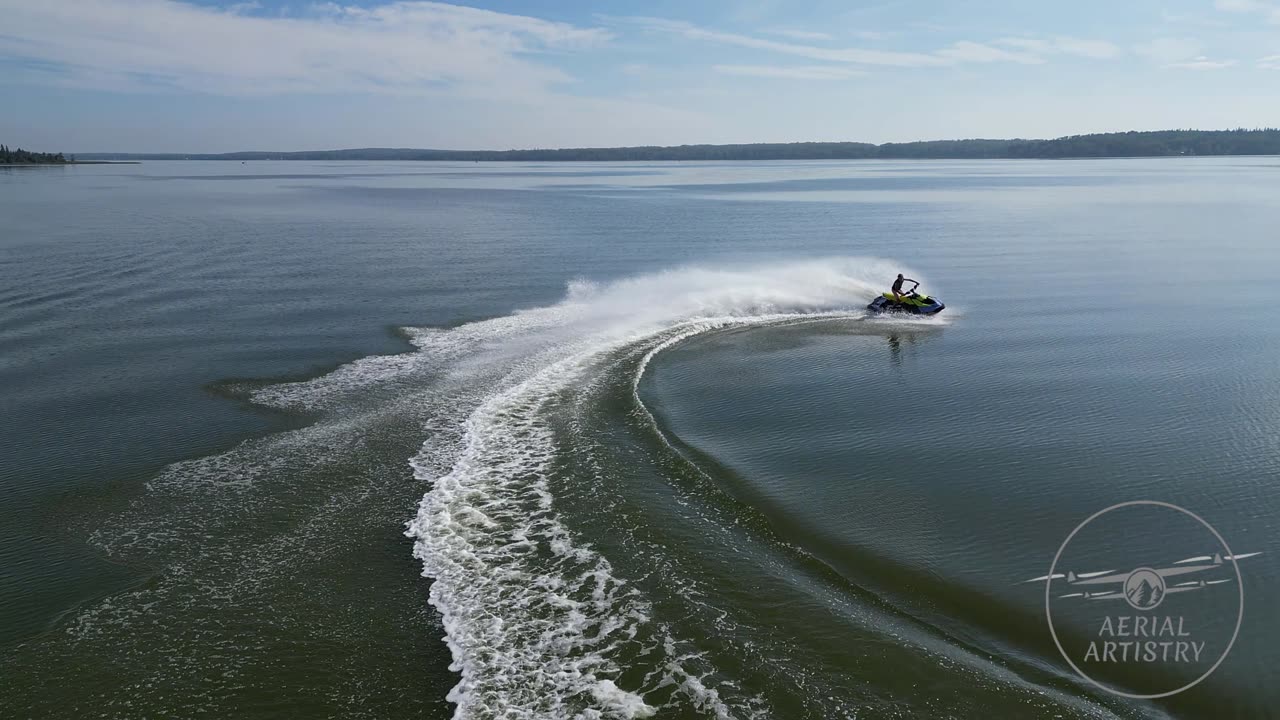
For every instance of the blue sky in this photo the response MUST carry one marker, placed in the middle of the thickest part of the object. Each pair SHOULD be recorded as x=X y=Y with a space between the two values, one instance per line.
x=208 y=76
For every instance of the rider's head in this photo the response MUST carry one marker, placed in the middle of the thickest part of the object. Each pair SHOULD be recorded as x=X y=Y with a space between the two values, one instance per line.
x=899 y=276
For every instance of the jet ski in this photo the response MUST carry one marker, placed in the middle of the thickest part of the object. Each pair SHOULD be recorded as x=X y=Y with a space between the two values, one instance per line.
x=912 y=303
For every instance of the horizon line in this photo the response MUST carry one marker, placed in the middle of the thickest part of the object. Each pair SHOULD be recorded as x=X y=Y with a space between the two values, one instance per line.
x=681 y=145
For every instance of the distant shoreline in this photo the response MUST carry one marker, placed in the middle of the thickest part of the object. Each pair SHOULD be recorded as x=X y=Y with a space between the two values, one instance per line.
x=1163 y=143
x=569 y=162
x=70 y=162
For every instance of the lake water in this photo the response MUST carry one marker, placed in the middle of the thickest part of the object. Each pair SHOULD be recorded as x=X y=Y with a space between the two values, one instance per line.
x=635 y=426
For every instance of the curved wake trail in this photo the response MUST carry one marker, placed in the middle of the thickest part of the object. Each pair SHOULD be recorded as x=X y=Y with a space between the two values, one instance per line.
x=539 y=623
x=559 y=595
x=265 y=552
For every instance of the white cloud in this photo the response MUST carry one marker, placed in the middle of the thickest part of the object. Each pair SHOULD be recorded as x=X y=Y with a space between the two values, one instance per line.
x=1191 y=19
x=800 y=34
x=1097 y=49
x=1079 y=47
x=1168 y=50
x=401 y=47
x=1179 y=54
x=1270 y=10
x=792 y=72
x=1202 y=63
x=448 y=76
x=1271 y=62
x=965 y=51
x=244 y=7
x=846 y=55
x=1024 y=51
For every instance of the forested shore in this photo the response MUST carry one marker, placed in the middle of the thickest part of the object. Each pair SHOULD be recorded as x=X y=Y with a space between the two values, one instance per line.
x=25 y=157
x=1164 y=143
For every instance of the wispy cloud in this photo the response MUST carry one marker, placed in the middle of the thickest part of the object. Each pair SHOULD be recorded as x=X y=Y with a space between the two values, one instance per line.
x=244 y=8
x=965 y=51
x=1269 y=10
x=844 y=55
x=790 y=72
x=1180 y=54
x=401 y=47
x=1011 y=50
x=1195 y=19
x=799 y=34
x=1201 y=63
x=1079 y=47
x=1271 y=62
x=1169 y=50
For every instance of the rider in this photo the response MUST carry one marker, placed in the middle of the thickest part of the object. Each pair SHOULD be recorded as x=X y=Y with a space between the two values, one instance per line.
x=897 y=287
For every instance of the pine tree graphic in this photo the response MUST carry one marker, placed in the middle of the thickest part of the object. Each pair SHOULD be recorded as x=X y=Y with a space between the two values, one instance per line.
x=1141 y=596
x=1156 y=593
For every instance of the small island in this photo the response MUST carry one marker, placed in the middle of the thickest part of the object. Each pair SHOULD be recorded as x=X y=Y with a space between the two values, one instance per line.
x=25 y=157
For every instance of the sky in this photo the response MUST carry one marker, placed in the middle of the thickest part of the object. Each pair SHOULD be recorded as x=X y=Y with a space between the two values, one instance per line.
x=216 y=76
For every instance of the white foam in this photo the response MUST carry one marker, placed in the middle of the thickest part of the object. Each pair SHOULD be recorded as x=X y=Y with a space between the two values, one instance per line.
x=626 y=704
x=538 y=623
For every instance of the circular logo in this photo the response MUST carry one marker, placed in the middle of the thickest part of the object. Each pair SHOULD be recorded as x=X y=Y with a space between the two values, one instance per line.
x=1140 y=556
x=1144 y=589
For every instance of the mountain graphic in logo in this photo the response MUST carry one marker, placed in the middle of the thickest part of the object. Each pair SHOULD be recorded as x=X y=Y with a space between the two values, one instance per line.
x=1144 y=589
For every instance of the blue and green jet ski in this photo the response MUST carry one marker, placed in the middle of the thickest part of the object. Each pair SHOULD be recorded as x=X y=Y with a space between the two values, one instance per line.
x=911 y=302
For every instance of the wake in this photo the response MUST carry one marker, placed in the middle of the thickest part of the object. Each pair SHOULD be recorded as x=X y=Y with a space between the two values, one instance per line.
x=538 y=622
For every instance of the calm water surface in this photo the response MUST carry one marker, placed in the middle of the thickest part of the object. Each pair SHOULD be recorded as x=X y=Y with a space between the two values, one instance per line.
x=634 y=426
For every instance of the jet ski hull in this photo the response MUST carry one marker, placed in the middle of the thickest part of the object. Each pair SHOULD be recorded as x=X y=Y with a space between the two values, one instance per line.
x=912 y=305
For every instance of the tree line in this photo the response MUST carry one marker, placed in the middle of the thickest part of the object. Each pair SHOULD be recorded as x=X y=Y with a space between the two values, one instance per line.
x=25 y=157
x=1163 y=143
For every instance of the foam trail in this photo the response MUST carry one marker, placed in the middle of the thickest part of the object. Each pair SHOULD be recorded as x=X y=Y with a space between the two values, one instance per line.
x=538 y=623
